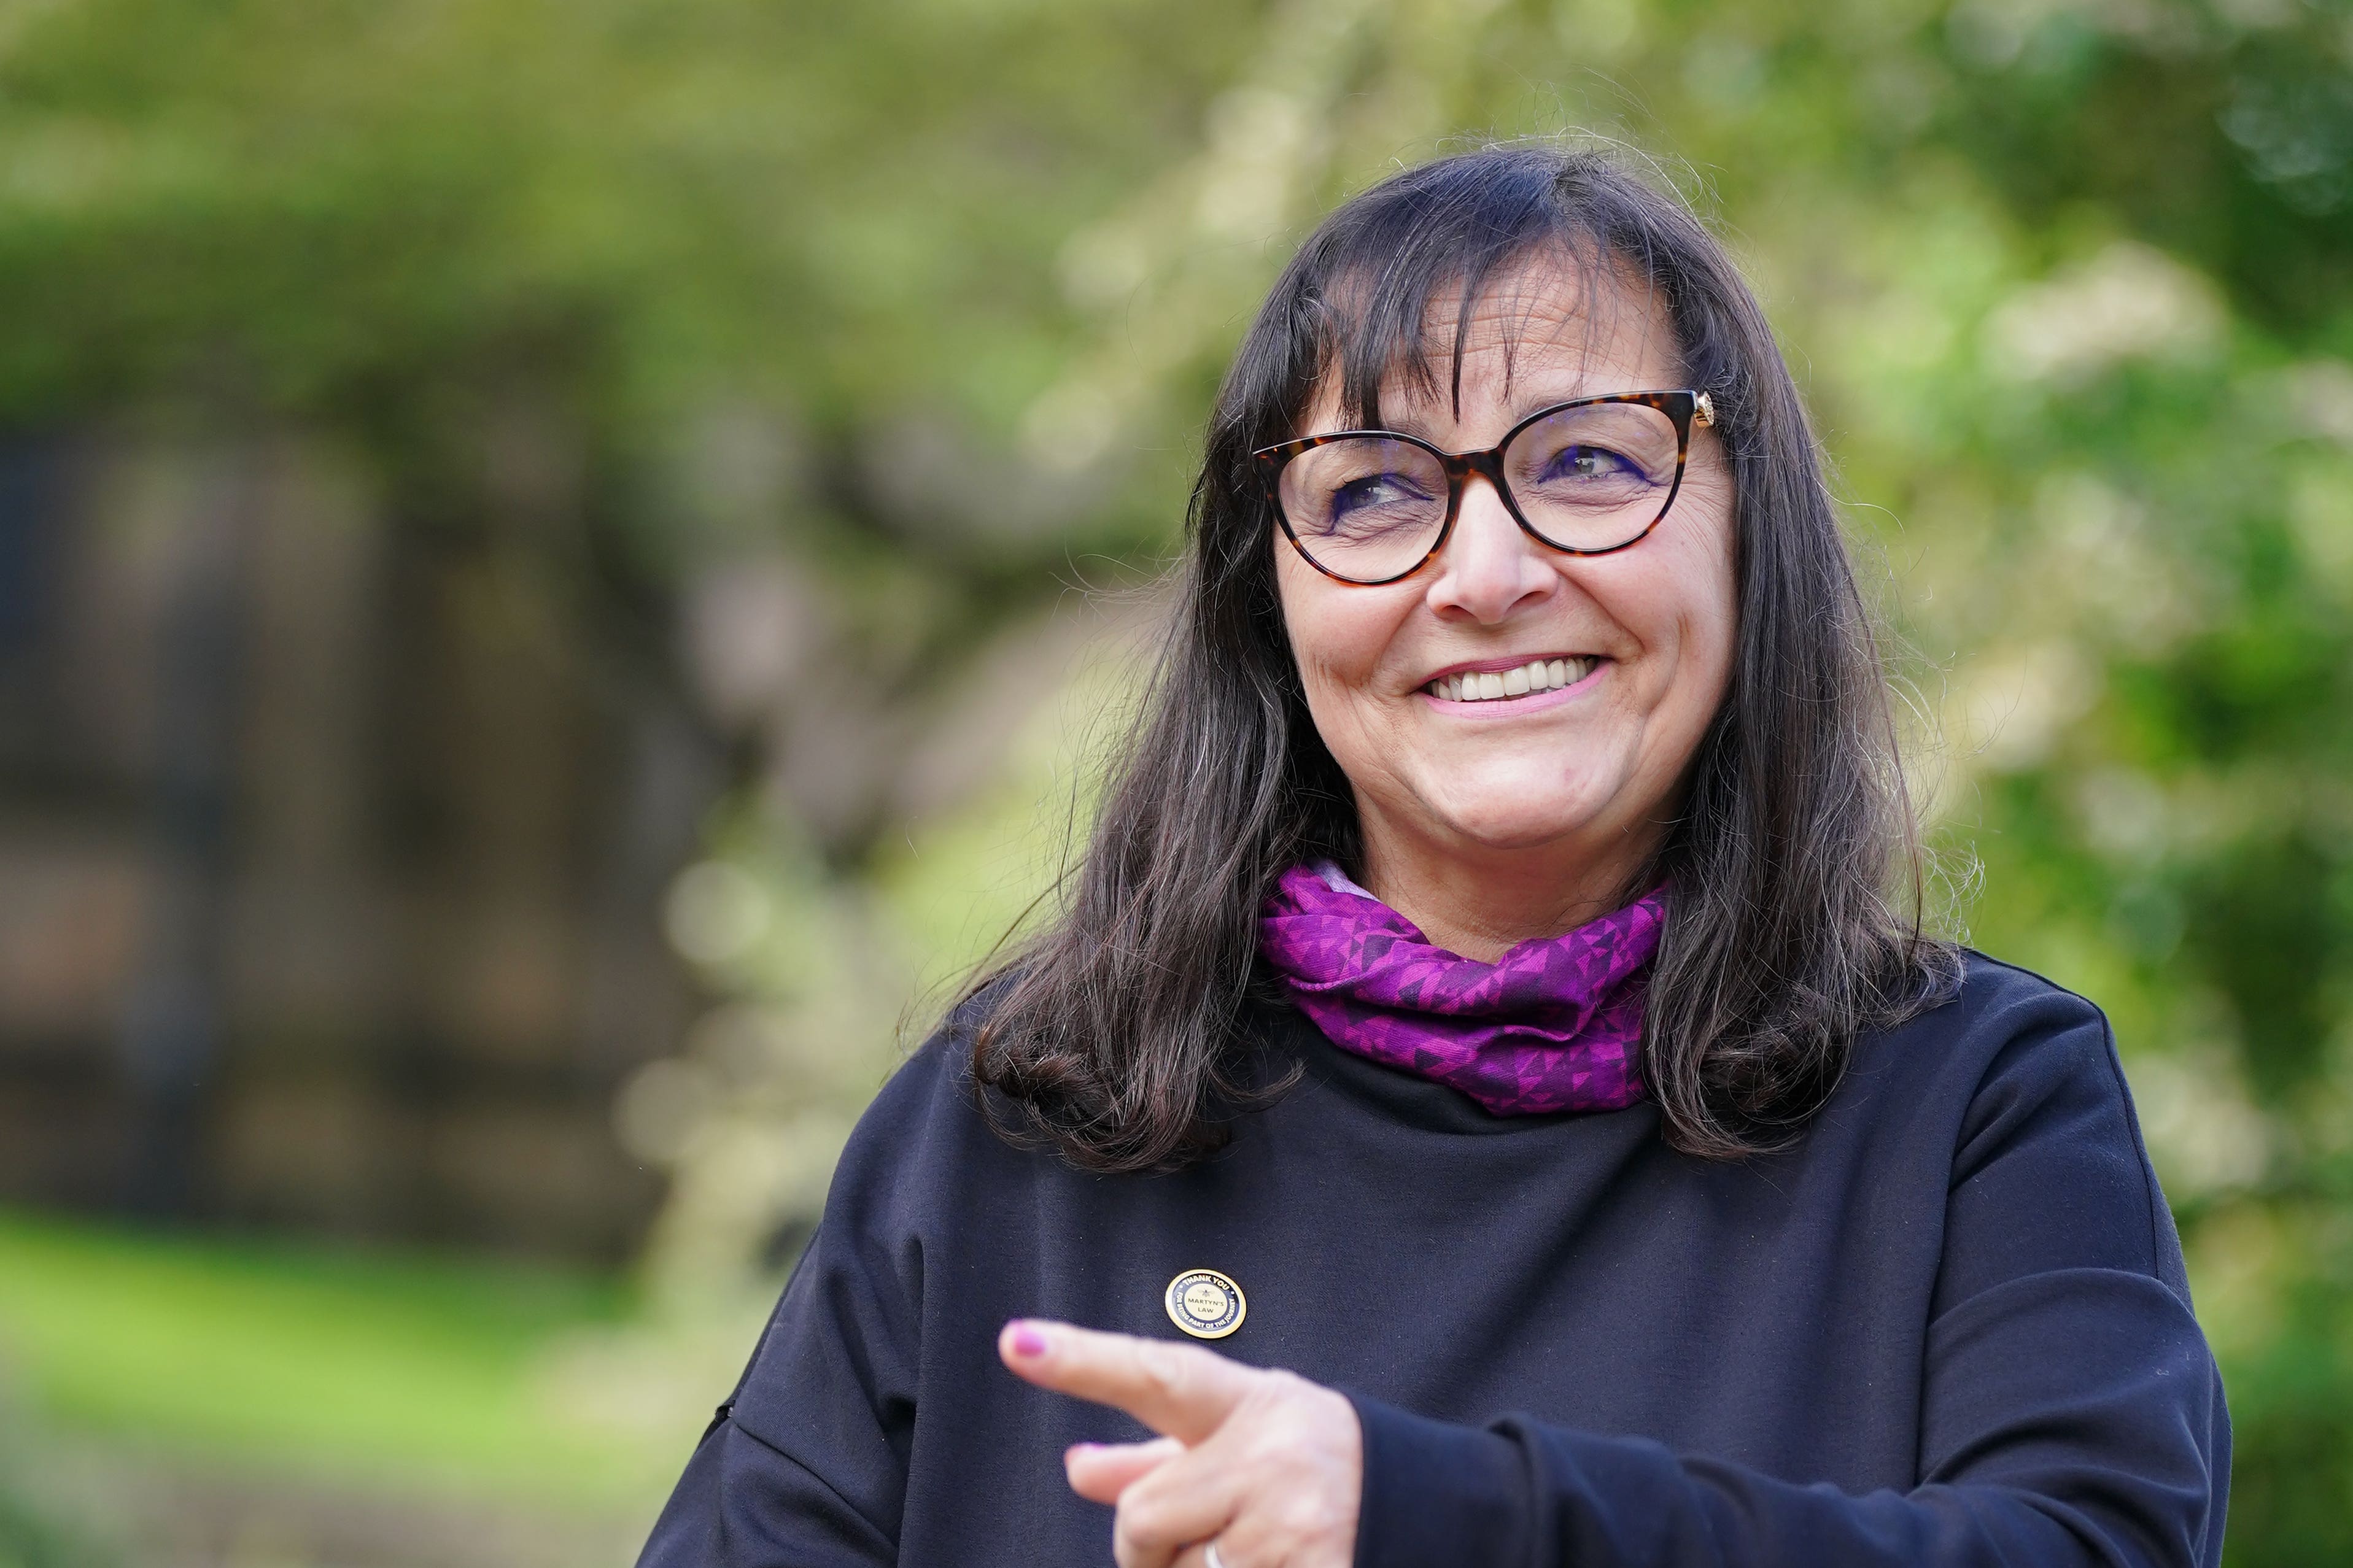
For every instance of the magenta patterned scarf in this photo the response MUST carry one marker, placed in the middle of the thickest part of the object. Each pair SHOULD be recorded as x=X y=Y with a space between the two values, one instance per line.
x=1554 y=1024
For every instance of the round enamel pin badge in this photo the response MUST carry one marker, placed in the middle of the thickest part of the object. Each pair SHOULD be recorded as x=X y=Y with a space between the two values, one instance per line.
x=1206 y=1304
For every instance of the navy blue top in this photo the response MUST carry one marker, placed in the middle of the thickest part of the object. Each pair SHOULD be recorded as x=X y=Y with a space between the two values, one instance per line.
x=1950 y=1327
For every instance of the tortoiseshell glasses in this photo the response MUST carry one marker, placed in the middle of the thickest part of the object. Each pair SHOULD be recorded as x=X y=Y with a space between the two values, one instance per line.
x=1586 y=478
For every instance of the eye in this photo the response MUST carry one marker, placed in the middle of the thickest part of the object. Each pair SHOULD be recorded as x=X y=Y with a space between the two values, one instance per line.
x=1372 y=491
x=1584 y=462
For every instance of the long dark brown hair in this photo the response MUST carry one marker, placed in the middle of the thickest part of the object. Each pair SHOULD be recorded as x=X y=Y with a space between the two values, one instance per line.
x=1793 y=917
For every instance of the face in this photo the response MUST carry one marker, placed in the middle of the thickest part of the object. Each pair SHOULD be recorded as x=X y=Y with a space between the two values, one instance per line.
x=1578 y=777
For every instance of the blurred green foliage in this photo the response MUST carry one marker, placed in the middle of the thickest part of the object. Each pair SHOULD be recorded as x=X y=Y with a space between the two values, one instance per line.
x=2069 y=281
x=330 y=1365
x=34 y=1532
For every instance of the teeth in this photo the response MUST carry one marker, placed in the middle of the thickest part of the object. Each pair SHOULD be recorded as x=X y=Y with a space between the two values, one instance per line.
x=1537 y=675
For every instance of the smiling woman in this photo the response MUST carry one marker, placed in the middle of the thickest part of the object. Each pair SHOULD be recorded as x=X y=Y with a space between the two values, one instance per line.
x=1492 y=989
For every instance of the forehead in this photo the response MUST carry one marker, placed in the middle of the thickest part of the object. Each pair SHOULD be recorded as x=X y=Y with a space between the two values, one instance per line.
x=1547 y=329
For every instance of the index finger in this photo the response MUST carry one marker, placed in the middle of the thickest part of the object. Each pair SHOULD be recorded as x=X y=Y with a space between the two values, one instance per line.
x=1181 y=1390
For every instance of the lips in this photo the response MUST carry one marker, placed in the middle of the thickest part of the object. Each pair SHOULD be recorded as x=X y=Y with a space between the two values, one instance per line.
x=1495 y=681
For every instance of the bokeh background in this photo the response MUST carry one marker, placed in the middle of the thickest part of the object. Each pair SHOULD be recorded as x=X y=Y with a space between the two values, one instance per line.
x=560 y=566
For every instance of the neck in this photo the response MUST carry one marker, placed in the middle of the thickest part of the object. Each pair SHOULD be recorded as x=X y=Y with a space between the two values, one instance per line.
x=1480 y=902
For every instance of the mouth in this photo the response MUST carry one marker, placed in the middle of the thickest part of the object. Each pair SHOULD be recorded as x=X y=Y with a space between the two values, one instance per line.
x=1509 y=684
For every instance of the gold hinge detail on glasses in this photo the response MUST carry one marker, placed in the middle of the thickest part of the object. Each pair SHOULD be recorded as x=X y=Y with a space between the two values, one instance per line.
x=1704 y=410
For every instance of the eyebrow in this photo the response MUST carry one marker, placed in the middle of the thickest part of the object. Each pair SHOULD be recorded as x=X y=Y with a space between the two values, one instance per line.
x=1518 y=408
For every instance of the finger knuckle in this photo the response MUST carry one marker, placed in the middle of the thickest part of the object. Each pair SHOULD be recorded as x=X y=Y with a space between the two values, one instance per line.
x=1268 y=1396
x=1287 y=1383
x=1309 y=1516
x=1144 y=1521
x=1166 y=1370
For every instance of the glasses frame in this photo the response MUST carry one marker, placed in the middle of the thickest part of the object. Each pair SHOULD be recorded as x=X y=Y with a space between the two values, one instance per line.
x=1688 y=410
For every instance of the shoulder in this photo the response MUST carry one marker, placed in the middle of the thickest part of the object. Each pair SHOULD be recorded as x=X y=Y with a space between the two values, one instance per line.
x=2047 y=1164
x=2050 y=1062
x=926 y=1142
x=2032 y=1106
x=2001 y=1023
x=2017 y=997
x=2009 y=1056
x=2030 y=1037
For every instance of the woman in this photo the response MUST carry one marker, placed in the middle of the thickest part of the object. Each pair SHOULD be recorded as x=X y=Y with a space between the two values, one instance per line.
x=1485 y=996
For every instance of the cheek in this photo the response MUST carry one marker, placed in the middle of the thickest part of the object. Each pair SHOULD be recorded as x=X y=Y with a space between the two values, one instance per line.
x=1338 y=634
x=1709 y=616
x=1681 y=609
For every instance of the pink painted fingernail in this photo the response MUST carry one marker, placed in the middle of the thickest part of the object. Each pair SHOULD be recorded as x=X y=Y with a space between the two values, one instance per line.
x=1028 y=1340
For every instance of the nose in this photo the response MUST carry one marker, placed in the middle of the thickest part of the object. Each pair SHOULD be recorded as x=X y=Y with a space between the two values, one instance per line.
x=1490 y=566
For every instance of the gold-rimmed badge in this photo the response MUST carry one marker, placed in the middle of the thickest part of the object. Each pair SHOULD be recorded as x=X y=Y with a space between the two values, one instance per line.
x=1205 y=1303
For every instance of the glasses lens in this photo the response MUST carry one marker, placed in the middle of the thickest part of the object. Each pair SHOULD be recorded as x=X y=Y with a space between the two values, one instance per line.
x=1594 y=478
x=1365 y=509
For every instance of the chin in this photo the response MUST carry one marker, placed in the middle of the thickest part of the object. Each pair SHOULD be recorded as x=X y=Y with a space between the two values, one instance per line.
x=1513 y=821
x=1523 y=805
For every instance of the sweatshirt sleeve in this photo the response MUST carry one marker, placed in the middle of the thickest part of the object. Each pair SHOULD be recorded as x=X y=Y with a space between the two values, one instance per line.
x=818 y=1483
x=806 y=1465
x=2071 y=1414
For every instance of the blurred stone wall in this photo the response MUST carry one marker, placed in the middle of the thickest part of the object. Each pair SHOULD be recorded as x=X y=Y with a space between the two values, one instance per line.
x=330 y=848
